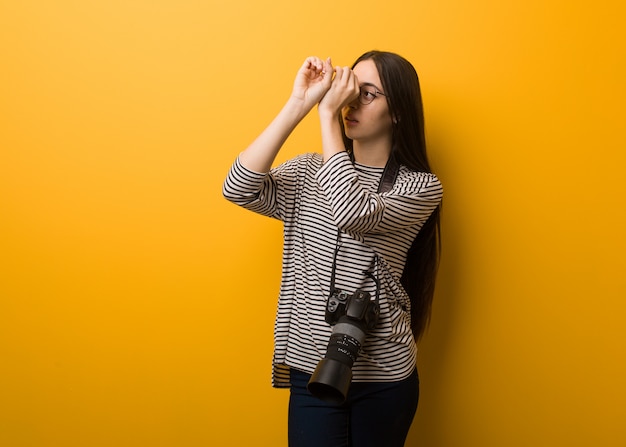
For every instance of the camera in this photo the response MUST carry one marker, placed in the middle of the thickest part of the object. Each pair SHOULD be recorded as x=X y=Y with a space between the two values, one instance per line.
x=352 y=316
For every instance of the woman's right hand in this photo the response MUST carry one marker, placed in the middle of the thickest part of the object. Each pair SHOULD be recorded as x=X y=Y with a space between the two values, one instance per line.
x=343 y=91
x=312 y=82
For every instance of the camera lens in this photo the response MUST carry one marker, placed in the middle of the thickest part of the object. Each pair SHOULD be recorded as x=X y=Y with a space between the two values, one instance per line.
x=333 y=375
x=343 y=348
x=352 y=316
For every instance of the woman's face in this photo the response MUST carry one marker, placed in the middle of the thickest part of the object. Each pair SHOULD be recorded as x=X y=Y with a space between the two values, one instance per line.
x=368 y=123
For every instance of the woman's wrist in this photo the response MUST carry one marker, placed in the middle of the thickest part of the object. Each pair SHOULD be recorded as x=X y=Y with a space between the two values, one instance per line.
x=297 y=107
x=327 y=115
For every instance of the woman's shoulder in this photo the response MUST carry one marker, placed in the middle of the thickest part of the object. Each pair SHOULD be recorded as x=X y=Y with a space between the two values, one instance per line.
x=411 y=174
x=417 y=180
x=304 y=160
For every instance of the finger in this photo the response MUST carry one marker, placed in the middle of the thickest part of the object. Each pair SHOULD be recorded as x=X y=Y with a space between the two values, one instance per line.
x=350 y=84
x=327 y=72
x=338 y=74
x=348 y=75
x=356 y=84
x=313 y=63
x=328 y=65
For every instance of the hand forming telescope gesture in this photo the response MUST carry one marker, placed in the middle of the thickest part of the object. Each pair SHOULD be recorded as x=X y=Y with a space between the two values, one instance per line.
x=318 y=82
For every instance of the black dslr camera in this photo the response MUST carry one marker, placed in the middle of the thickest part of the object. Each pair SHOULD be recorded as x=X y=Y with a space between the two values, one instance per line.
x=357 y=306
x=352 y=316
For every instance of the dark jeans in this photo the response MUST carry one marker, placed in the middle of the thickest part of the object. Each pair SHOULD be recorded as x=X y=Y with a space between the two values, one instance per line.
x=374 y=414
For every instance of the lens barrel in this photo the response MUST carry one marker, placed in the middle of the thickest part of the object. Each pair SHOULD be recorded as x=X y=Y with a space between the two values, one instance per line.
x=332 y=377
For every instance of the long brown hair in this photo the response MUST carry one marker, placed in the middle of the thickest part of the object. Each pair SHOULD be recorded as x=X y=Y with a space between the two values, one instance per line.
x=402 y=91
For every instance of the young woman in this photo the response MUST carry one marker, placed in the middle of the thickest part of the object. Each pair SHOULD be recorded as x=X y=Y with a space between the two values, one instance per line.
x=361 y=218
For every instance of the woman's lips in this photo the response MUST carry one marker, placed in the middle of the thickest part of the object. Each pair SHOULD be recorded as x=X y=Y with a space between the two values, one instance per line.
x=350 y=121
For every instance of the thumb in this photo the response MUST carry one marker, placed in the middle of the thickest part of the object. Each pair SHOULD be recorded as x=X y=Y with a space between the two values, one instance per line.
x=328 y=72
x=328 y=65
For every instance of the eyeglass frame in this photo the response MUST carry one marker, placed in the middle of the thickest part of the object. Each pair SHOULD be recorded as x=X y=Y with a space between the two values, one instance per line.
x=375 y=94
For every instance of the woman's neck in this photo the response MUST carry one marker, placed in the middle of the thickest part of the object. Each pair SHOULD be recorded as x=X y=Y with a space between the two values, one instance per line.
x=375 y=156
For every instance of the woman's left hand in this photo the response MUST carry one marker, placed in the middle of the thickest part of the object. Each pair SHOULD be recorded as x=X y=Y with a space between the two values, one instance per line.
x=343 y=90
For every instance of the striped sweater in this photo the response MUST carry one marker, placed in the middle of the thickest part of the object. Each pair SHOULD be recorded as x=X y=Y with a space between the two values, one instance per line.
x=314 y=200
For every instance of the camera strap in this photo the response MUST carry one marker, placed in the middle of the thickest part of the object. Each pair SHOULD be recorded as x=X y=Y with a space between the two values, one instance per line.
x=387 y=180
x=390 y=173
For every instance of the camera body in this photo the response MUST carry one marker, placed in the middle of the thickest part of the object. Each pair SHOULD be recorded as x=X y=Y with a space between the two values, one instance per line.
x=352 y=316
x=357 y=306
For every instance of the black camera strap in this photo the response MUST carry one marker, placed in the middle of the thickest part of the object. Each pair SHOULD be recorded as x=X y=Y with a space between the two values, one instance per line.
x=387 y=180
x=367 y=273
x=390 y=173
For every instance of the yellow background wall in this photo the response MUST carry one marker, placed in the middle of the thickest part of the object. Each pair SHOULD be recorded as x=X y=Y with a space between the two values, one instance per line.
x=137 y=306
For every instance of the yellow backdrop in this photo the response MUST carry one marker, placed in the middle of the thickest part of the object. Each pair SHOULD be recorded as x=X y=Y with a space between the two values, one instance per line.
x=137 y=306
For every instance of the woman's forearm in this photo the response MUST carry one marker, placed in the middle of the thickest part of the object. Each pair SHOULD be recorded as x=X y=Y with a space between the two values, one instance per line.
x=260 y=155
x=332 y=137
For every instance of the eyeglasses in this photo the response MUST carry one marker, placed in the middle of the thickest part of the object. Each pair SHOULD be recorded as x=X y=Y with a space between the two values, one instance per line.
x=368 y=94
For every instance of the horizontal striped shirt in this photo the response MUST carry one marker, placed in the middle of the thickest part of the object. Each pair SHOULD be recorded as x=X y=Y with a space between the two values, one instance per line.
x=313 y=200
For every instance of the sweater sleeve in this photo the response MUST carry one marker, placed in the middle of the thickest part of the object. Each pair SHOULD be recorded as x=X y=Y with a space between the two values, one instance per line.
x=271 y=194
x=358 y=211
x=252 y=190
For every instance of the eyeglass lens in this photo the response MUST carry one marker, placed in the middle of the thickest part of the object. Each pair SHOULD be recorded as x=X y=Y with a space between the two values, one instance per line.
x=367 y=95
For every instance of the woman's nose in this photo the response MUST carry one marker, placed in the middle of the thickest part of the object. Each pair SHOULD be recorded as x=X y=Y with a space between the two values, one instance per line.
x=354 y=104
